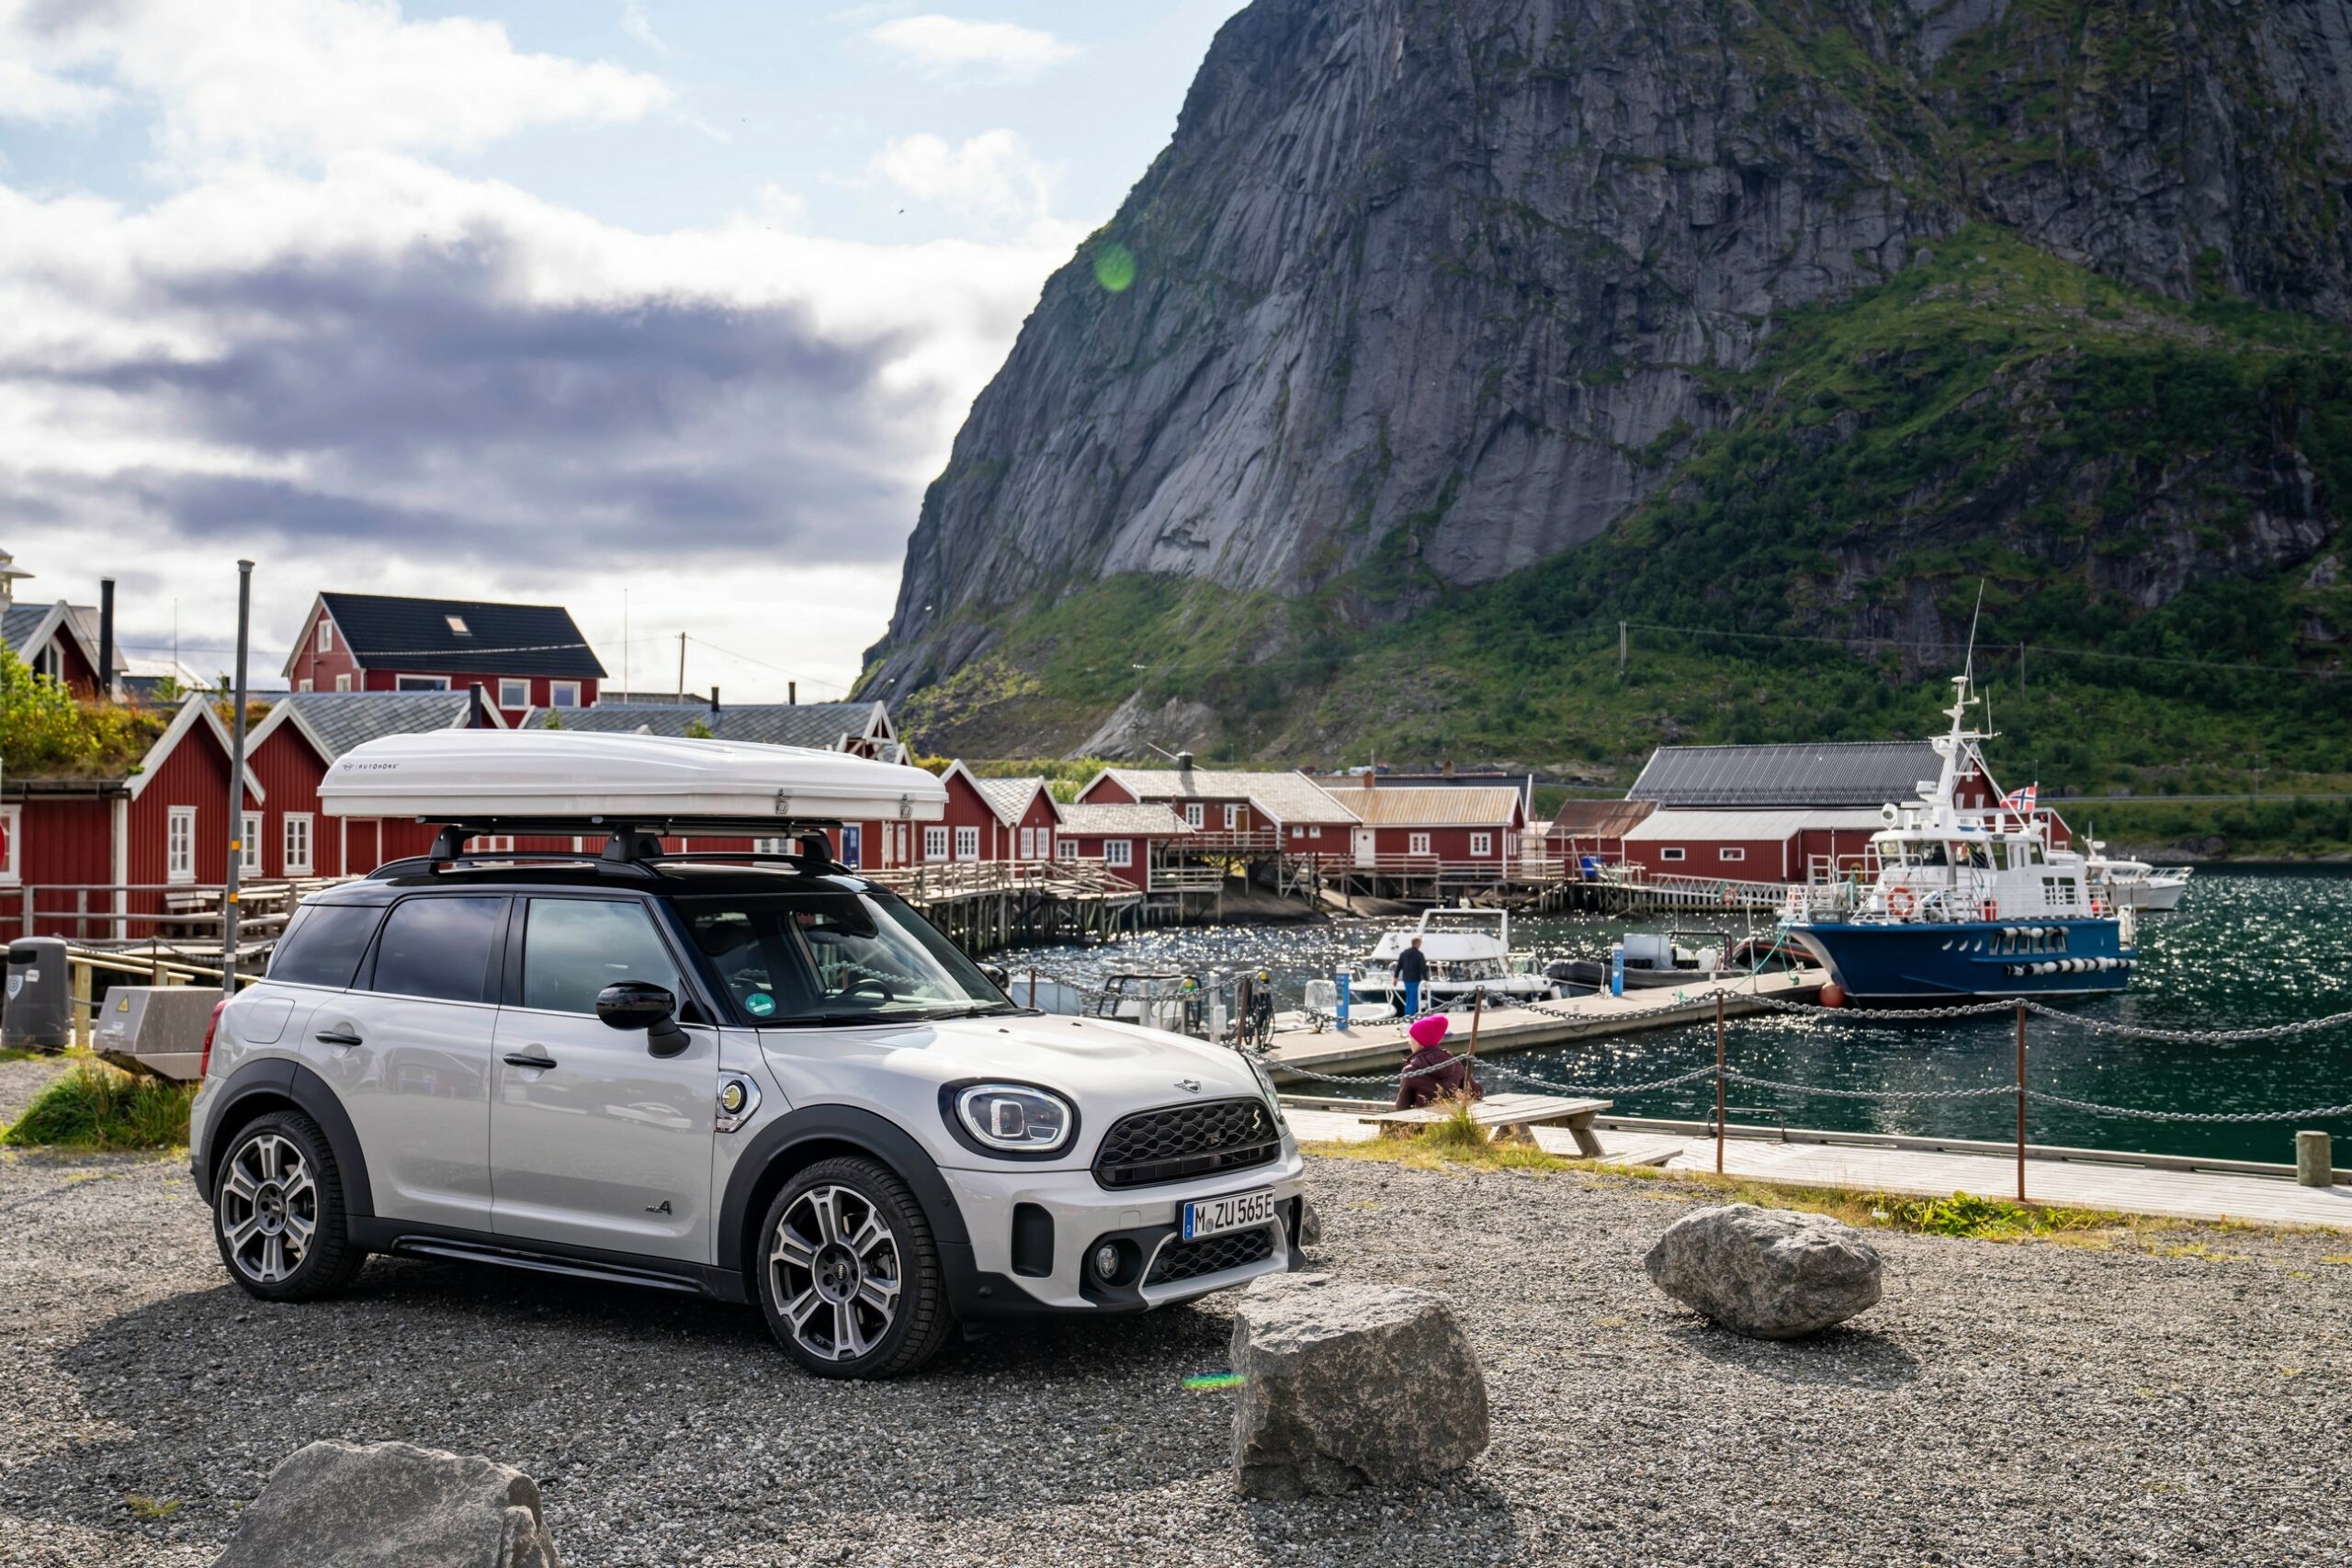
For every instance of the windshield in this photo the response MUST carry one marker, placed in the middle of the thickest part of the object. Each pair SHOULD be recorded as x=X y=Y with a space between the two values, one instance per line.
x=832 y=957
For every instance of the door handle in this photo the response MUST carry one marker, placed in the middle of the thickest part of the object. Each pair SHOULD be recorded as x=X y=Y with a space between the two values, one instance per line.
x=528 y=1059
x=344 y=1036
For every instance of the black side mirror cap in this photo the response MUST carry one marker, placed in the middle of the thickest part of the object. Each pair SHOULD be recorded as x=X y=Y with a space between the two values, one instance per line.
x=633 y=1004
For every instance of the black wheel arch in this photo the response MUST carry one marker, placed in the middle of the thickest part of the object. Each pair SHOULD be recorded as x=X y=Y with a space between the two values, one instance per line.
x=798 y=1139
x=278 y=1083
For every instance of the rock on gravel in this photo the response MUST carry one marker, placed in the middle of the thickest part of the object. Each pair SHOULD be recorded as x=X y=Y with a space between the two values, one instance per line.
x=1767 y=1273
x=392 y=1505
x=1350 y=1383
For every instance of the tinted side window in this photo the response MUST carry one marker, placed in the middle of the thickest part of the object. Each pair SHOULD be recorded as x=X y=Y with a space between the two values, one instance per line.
x=324 y=944
x=573 y=948
x=439 y=948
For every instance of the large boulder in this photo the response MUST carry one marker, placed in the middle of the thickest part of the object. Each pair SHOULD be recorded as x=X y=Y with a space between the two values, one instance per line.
x=1349 y=1384
x=1767 y=1273
x=392 y=1505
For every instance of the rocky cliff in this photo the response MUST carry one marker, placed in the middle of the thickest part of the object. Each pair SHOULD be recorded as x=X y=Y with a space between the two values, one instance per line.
x=1424 y=294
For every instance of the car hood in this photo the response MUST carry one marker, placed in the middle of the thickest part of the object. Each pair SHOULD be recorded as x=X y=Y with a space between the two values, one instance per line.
x=1106 y=1070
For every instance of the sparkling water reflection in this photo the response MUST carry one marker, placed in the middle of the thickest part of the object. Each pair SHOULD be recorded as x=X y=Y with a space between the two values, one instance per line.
x=2251 y=946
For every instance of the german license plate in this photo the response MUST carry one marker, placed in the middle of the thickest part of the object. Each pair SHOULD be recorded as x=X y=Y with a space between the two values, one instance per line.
x=1215 y=1216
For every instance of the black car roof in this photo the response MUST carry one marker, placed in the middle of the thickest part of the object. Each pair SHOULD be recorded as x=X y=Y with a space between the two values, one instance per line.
x=661 y=878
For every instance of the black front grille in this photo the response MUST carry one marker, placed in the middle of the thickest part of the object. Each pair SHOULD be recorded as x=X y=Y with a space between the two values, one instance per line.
x=1187 y=1140
x=1189 y=1259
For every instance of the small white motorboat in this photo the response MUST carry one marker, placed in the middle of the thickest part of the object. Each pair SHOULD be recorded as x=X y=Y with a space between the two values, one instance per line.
x=2136 y=884
x=1468 y=951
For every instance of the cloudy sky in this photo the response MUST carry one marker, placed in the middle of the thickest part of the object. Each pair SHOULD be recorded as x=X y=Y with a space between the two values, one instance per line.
x=546 y=300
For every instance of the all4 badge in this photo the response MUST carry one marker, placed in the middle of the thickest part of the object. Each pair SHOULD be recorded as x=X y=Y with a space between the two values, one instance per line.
x=739 y=1101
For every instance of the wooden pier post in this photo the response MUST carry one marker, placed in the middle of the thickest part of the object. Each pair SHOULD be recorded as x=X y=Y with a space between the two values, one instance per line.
x=1719 y=1083
x=2020 y=1101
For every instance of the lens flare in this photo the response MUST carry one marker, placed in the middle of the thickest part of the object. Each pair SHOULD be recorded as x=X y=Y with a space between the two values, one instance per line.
x=1213 y=1380
x=1114 y=267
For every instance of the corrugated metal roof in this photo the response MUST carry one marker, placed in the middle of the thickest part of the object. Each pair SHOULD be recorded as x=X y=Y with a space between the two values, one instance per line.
x=823 y=725
x=504 y=639
x=1152 y=820
x=1853 y=772
x=1417 y=805
x=344 y=719
x=1008 y=797
x=1672 y=826
x=1285 y=797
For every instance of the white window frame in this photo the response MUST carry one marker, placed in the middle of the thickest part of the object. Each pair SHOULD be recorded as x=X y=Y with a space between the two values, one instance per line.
x=514 y=692
x=1233 y=819
x=1739 y=852
x=326 y=634
x=968 y=843
x=490 y=844
x=1192 y=816
x=305 y=684
x=11 y=819
x=297 y=826
x=563 y=694
x=934 y=844
x=458 y=626
x=1417 y=843
x=1028 y=843
x=415 y=683
x=1119 y=852
x=1066 y=848
x=1671 y=851
x=770 y=846
x=343 y=683
x=1482 y=845
x=1314 y=832
x=179 y=844
x=249 y=832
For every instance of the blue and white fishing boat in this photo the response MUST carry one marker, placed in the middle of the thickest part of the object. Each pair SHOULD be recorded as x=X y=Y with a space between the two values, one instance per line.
x=1968 y=902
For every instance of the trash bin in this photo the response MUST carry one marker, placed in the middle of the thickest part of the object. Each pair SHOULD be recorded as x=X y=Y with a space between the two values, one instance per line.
x=40 y=1011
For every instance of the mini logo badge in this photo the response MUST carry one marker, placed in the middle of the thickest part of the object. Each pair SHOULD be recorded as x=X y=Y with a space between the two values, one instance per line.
x=1189 y=1086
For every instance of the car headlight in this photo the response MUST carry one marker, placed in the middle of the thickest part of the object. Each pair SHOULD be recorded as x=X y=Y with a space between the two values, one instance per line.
x=1014 y=1119
x=1266 y=1083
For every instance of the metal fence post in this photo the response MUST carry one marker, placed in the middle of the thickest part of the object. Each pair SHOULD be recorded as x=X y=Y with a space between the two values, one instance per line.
x=2020 y=1101
x=1719 y=1083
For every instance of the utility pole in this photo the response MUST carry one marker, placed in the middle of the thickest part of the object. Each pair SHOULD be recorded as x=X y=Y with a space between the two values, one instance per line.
x=1621 y=650
x=626 y=687
x=229 y=911
x=682 y=666
x=2020 y=668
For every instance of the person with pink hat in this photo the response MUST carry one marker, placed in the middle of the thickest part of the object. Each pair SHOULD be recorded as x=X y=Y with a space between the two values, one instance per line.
x=1433 y=1073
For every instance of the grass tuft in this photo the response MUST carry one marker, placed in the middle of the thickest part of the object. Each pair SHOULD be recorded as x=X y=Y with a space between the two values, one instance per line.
x=96 y=1107
x=146 y=1507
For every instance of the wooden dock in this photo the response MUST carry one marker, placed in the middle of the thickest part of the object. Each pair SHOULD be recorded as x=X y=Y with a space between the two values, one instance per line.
x=2164 y=1186
x=1378 y=1048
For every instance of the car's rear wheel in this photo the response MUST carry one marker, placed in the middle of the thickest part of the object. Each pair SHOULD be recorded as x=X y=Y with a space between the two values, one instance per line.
x=849 y=1279
x=277 y=1212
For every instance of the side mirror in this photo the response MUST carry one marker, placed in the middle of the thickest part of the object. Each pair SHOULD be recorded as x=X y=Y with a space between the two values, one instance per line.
x=633 y=1004
x=995 y=975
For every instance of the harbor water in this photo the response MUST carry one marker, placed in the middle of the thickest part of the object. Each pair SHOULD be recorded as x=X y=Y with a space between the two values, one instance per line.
x=2250 y=947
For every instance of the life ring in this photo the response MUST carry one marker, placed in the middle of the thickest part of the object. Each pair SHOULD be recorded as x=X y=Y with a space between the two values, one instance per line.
x=1992 y=910
x=1899 y=903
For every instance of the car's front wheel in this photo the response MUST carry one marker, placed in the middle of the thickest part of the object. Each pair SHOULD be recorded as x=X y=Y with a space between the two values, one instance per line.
x=277 y=1212
x=848 y=1277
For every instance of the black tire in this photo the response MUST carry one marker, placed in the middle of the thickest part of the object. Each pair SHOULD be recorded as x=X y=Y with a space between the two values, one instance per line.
x=262 y=1201
x=820 y=1290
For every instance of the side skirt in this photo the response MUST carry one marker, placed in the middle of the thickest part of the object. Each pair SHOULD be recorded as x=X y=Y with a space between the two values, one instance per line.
x=407 y=1239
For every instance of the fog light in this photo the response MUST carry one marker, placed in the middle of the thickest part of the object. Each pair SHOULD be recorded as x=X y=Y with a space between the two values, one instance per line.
x=1106 y=1261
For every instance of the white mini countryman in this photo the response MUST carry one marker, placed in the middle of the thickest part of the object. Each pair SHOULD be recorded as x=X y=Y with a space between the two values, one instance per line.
x=757 y=1077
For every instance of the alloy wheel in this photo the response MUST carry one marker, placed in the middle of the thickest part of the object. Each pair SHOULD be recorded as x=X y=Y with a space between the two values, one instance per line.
x=269 y=1208
x=837 y=1271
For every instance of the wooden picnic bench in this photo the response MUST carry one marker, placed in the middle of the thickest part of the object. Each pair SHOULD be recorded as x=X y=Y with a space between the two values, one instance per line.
x=1508 y=1116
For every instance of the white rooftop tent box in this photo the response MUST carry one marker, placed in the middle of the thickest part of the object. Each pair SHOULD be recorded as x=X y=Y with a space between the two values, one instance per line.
x=475 y=775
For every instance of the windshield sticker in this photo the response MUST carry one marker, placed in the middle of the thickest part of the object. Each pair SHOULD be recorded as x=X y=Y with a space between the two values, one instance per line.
x=759 y=1004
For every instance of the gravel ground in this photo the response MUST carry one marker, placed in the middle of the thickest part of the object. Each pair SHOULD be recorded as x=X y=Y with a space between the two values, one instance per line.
x=2178 y=1398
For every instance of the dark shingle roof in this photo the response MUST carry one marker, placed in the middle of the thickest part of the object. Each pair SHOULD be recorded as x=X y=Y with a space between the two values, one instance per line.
x=344 y=719
x=503 y=639
x=1853 y=772
x=818 y=725
x=18 y=622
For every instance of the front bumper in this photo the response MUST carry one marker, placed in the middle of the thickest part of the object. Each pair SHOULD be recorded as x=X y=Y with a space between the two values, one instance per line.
x=1009 y=1213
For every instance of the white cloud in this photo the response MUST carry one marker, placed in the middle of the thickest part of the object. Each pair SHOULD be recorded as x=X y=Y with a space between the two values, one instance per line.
x=990 y=176
x=948 y=43
x=310 y=79
x=38 y=98
x=638 y=25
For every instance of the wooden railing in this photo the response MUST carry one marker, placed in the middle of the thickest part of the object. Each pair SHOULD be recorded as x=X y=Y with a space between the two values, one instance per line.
x=97 y=911
x=933 y=881
x=1187 y=878
x=85 y=967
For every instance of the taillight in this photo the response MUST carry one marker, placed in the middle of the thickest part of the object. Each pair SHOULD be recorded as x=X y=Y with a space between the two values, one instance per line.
x=211 y=1025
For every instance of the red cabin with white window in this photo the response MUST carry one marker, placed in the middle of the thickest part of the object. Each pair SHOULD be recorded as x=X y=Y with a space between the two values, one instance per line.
x=291 y=750
x=1136 y=843
x=1467 y=830
x=1232 y=808
x=519 y=657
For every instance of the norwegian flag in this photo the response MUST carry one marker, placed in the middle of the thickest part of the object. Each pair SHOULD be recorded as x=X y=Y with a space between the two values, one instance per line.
x=2022 y=801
